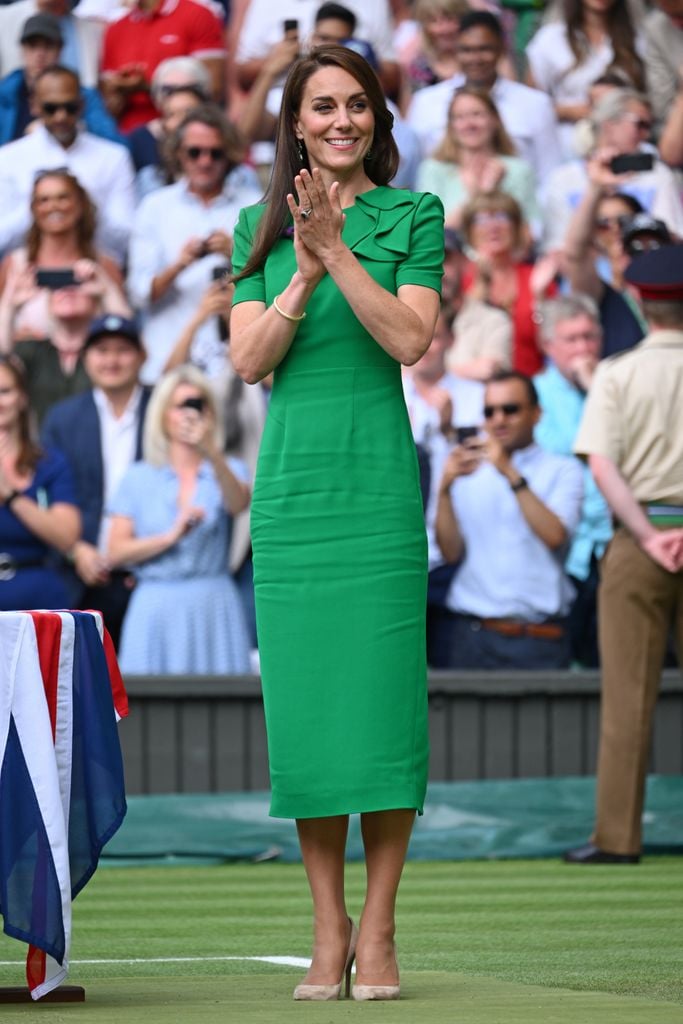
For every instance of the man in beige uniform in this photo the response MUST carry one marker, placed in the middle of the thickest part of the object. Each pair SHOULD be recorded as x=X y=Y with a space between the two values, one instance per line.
x=632 y=435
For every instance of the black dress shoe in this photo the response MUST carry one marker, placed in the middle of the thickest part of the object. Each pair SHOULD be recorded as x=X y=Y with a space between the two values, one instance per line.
x=591 y=854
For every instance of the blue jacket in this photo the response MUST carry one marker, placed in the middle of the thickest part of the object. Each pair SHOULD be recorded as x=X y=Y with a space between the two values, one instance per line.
x=97 y=118
x=73 y=427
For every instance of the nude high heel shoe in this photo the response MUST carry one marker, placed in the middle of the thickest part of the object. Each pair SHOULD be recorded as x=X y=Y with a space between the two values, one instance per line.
x=323 y=993
x=363 y=992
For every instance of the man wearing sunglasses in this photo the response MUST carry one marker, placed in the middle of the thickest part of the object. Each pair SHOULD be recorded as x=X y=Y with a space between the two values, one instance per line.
x=104 y=168
x=182 y=233
x=506 y=513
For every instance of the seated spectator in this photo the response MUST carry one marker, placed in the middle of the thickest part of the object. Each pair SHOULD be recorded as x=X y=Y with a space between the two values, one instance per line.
x=527 y=114
x=54 y=365
x=151 y=32
x=100 y=433
x=477 y=156
x=622 y=124
x=60 y=238
x=494 y=230
x=506 y=512
x=565 y=56
x=103 y=168
x=442 y=407
x=663 y=30
x=431 y=55
x=171 y=522
x=182 y=232
x=171 y=76
x=41 y=42
x=482 y=334
x=595 y=256
x=83 y=37
x=38 y=511
x=263 y=24
x=571 y=340
x=166 y=170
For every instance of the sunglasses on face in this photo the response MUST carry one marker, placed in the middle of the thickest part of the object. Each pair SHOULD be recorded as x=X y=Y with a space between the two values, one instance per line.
x=640 y=123
x=507 y=408
x=603 y=223
x=71 y=107
x=195 y=152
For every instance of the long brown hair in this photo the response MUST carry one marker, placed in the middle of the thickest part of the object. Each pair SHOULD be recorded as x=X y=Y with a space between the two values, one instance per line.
x=380 y=165
x=85 y=226
x=621 y=34
x=29 y=451
x=450 y=151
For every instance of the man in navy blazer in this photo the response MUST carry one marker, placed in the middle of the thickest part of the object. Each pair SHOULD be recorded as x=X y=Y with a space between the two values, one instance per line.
x=100 y=432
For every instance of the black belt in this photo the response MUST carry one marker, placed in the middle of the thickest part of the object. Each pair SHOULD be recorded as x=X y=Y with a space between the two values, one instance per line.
x=9 y=566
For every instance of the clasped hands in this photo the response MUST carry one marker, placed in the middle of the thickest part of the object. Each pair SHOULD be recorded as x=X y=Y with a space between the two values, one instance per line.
x=318 y=222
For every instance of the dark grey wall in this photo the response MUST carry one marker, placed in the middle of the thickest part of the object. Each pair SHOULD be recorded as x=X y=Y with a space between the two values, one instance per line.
x=206 y=734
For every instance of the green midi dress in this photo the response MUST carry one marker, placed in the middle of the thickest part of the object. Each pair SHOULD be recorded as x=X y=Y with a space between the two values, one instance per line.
x=340 y=560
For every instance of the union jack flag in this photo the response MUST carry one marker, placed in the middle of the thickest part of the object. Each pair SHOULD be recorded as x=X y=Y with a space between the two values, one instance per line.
x=62 y=792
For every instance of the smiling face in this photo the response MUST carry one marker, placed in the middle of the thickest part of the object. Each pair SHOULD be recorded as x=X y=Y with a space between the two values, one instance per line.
x=471 y=123
x=629 y=131
x=202 y=159
x=479 y=50
x=335 y=122
x=55 y=206
x=441 y=29
x=113 y=363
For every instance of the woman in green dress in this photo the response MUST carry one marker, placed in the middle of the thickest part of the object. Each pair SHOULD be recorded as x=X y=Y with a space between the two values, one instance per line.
x=338 y=280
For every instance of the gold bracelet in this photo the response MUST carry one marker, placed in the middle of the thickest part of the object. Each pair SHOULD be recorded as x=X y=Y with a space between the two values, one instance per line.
x=287 y=316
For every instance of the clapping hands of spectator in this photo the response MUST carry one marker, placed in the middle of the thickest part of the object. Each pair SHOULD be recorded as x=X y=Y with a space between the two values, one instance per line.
x=484 y=175
x=187 y=519
x=129 y=78
x=219 y=243
x=281 y=56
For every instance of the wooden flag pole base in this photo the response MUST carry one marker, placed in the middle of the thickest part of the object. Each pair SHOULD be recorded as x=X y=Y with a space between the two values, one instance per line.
x=62 y=994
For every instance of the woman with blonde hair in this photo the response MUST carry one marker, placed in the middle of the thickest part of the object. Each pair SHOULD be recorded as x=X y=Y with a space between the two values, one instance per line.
x=171 y=521
x=477 y=156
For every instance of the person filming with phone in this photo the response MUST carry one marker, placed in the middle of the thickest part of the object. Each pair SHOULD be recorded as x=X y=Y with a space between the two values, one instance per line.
x=622 y=127
x=170 y=522
x=506 y=513
x=182 y=232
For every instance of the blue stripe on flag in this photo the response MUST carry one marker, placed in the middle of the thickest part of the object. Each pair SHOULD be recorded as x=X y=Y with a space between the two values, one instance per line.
x=30 y=899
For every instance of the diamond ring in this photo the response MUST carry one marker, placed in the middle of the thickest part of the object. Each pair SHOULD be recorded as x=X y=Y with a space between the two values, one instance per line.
x=305 y=214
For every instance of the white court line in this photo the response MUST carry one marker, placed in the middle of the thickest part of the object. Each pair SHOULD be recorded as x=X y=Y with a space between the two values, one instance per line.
x=285 y=961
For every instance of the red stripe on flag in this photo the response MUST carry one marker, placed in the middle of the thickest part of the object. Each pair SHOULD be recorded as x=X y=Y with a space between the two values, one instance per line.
x=48 y=629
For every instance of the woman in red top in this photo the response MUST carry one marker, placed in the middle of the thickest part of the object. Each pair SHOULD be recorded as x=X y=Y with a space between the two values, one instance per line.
x=501 y=274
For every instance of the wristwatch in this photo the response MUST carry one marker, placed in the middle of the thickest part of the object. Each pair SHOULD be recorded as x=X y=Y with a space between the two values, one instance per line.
x=519 y=485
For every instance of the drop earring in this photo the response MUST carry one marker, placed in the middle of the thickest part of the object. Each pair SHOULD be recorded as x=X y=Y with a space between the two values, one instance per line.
x=300 y=149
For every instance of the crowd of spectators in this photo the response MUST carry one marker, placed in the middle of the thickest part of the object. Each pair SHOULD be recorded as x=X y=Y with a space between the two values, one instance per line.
x=131 y=135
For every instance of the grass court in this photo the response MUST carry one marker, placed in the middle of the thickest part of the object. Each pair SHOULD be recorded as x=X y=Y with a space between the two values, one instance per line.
x=480 y=942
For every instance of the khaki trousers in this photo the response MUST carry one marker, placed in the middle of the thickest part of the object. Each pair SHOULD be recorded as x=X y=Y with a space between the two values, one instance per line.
x=638 y=602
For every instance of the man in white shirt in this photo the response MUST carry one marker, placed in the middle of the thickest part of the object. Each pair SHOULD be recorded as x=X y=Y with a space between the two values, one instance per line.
x=506 y=513
x=183 y=232
x=527 y=114
x=100 y=432
x=104 y=168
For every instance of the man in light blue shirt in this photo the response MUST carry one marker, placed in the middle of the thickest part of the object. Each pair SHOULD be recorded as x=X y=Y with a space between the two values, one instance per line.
x=572 y=339
x=506 y=512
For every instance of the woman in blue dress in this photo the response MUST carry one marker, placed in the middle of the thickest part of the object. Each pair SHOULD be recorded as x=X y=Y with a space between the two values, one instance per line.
x=170 y=524
x=38 y=511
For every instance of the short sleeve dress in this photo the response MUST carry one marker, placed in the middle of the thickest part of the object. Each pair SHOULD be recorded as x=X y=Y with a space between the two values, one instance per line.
x=340 y=554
